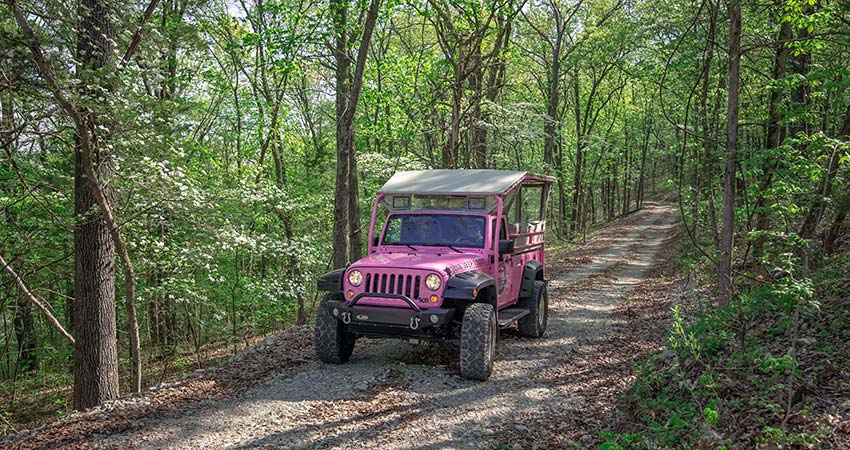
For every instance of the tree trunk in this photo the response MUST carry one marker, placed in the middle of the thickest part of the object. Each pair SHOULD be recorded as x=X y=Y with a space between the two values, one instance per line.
x=450 y=148
x=355 y=247
x=554 y=97
x=346 y=245
x=25 y=335
x=627 y=176
x=818 y=206
x=843 y=203
x=774 y=137
x=724 y=269
x=574 y=215
x=837 y=222
x=96 y=352
x=641 y=178
x=339 y=12
x=478 y=143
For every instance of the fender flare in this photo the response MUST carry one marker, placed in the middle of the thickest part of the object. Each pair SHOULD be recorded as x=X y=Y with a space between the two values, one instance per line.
x=331 y=281
x=461 y=286
x=532 y=271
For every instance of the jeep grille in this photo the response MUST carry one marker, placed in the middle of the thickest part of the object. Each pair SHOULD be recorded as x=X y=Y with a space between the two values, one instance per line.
x=383 y=283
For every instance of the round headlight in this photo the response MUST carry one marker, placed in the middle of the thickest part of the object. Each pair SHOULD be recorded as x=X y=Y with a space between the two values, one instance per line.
x=355 y=278
x=433 y=281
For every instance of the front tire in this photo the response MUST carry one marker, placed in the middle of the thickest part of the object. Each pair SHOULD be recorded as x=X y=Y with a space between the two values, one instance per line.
x=333 y=344
x=478 y=341
x=534 y=324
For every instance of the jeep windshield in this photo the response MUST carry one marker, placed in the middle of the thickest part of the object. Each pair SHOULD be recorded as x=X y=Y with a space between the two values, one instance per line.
x=446 y=230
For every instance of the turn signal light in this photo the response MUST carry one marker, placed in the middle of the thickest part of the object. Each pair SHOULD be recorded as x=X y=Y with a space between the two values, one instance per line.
x=349 y=293
x=434 y=299
x=475 y=292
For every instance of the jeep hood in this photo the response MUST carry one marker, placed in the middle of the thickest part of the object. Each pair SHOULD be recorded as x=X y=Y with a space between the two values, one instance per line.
x=422 y=261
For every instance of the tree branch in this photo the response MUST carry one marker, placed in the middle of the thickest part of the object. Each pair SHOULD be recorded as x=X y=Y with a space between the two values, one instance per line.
x=23 y=288
x=137 y=36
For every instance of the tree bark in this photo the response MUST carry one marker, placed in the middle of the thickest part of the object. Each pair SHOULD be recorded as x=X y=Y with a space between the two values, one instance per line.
x=551 y=120
x=644 y=150
x=724 y=269
x=574 y=214
x=346 y=245
x=339 y=12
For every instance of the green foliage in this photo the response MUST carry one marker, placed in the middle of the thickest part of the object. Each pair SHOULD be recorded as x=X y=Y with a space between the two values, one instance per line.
x=712 y=382
x=222 y=131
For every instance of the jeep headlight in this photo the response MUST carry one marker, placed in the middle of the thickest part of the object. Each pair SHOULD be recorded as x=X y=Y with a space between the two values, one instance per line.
x=433 y=281
x=355 y=277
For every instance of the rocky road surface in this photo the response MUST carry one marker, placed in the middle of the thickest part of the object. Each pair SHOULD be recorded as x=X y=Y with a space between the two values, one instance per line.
x=398 y=395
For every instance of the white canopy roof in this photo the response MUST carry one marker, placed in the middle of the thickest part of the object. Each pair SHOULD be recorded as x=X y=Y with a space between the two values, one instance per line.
x=455 y=182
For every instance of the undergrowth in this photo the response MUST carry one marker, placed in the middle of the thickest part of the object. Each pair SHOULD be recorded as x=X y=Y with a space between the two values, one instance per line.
x=770 y=370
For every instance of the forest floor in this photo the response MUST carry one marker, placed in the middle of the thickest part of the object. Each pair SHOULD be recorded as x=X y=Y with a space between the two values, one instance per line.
x=609 y=305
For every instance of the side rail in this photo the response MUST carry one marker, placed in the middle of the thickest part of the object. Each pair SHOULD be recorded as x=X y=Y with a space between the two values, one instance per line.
x=529 y=240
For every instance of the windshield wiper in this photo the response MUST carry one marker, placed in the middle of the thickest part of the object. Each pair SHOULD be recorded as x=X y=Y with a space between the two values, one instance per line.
x=442 y=244
x=411 y=247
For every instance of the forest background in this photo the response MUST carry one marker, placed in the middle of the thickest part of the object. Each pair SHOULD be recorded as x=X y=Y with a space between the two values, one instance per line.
x=176 y=174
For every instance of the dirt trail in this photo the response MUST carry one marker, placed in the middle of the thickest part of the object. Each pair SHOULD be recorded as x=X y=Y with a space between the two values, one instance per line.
x=395 y=394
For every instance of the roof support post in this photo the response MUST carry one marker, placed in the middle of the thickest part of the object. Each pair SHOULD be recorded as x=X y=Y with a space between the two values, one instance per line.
x=496 y=255
x=369 y=246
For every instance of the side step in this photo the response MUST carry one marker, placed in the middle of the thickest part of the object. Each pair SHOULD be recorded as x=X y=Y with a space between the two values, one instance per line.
x=508 y=316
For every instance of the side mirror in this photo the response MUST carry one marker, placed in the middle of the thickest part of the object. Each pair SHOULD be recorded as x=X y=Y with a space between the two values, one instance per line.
x=506 y=247
x=375 y=240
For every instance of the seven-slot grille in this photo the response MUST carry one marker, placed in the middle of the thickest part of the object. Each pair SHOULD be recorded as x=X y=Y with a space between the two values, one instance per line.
x=384 y=283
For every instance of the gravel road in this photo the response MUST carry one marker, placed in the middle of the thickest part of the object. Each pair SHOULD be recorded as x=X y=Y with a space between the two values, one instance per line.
x=395 y=394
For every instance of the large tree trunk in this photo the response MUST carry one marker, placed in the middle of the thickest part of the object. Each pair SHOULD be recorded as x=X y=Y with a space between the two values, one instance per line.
x=339 y=12
x=346 y=245
x=96 y=352
x=724 y=267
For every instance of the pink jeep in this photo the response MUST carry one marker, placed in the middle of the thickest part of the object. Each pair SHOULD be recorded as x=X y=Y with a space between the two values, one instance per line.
x=460 y=254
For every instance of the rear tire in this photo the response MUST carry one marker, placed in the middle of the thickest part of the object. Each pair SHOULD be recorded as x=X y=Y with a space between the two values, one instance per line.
x=533 y=325
x=333 y=344
x=478 y=341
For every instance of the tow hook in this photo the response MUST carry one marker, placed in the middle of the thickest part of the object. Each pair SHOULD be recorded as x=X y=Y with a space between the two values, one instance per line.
x=414 y=322
x=346 y=317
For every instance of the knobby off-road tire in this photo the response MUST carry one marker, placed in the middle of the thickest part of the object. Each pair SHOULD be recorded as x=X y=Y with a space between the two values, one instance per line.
x=534 y=324
x=333 y=344
x=478 y=341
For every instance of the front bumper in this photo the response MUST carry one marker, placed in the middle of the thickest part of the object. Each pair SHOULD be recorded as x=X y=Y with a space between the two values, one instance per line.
x=382 y=321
